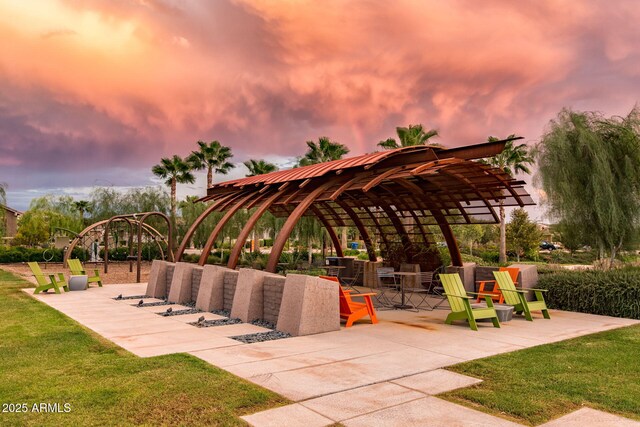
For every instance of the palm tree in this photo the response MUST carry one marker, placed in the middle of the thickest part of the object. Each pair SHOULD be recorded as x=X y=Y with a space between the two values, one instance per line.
x=82 y=206
x=324 y=151
x=259 y=167
x=410 y=136
x=512 y=160
x=176 y=171
x=212 y=156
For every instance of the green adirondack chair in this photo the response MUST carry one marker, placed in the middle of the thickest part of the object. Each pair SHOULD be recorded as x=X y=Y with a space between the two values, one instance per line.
x=518 y=297
x=77 y=269
x=460 y=303
x=51 y=283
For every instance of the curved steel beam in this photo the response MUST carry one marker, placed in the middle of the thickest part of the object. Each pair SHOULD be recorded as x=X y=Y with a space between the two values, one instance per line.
x=376 y=224
x=332 y=234
x=244 y=233
x=441 y=220
x=368 y=243
x=216 y=230
x=287 y=228
x=192 y=229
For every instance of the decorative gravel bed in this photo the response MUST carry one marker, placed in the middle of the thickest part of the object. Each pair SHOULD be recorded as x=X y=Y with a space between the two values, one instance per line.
x=264 y=324
x=219 y=322
x=225 y=313
x=261 y=337
x=179 y=312
x=121 y=298
x=152 y=304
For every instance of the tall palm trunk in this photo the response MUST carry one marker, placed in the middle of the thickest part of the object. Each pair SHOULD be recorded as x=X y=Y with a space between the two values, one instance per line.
x=209 y=176
x=173 y=200
x=503 y=236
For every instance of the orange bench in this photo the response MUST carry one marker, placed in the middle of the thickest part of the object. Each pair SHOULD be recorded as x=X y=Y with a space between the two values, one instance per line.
x=495 y=293
x=351 y=310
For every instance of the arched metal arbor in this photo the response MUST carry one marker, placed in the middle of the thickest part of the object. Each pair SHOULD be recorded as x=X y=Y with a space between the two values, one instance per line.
x=398 y=194
x=134 y=222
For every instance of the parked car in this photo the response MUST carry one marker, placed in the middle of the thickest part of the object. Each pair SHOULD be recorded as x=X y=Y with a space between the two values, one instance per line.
x=548 y=246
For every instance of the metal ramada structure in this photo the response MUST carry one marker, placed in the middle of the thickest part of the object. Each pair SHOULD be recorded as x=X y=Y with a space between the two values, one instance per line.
x=398 y=194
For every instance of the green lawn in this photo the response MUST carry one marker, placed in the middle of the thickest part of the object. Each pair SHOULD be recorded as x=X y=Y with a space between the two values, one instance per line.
x=535 y=385
x=45 y=357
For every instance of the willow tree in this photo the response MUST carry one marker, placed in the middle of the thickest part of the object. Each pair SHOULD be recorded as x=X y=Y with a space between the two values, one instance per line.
x=589 y=167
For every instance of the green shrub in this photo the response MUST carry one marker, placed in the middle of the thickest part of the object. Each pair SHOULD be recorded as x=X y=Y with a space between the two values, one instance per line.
x=492 y=257
x=351 y=252
x=611 y=293
x=363 y=256
x=24 y=254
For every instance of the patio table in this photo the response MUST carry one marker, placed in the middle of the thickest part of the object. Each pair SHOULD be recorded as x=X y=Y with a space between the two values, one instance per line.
x=403 y=275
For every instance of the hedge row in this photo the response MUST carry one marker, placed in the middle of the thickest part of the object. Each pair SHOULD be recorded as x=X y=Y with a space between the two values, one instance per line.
x=13 y=254
x=611 y=293
x=22 y=254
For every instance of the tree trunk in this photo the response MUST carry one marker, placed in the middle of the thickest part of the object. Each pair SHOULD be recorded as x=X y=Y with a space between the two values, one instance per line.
x=344 y=238
x=254 y=241
x=173 y=201
x=209 y=176
x=310 y=255
x=503 y=236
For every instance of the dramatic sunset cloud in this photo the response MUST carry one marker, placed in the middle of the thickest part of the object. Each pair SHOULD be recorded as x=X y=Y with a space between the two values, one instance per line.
x=95 y=92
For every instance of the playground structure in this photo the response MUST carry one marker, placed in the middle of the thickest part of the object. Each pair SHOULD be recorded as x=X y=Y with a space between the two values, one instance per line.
x=90 y=237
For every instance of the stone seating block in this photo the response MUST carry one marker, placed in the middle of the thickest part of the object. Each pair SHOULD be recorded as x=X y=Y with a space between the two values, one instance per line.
x=528 y=278
x=310 y=305
x=248 y=300
x=211 y=292
x=180 y=291
x=467 y=274
x=157 y=284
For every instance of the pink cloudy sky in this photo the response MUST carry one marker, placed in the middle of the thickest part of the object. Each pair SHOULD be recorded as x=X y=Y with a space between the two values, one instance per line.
x=96 y=92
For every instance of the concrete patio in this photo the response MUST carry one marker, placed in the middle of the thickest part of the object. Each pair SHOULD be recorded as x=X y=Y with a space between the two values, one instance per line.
x=384 y=374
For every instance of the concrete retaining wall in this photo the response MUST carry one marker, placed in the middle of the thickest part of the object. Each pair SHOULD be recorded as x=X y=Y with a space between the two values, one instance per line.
x=157 y=284
x=273 y=290
x=248 y=300
x=310 y=305
x=528 y=278
x=180 y=290
x=467 y=273
x=229 y=288
x=211 y=290
x=170 y=268
x=196 y=276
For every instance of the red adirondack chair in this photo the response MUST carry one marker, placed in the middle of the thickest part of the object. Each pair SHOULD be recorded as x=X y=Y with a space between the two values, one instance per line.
x=497 y=294
x=351 y=310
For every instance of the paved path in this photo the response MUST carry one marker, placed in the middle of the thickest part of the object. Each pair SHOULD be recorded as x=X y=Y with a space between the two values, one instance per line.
x=367 y=375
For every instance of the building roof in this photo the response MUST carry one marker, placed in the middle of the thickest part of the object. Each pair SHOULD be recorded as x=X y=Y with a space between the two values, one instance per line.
x=11 y=210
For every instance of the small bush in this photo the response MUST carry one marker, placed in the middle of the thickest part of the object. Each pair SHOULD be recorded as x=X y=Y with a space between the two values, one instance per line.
x=492 y=257
x=351 y=252
x=611 y=293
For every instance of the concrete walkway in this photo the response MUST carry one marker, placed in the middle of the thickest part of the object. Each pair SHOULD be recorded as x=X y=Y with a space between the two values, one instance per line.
x=382 y=375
